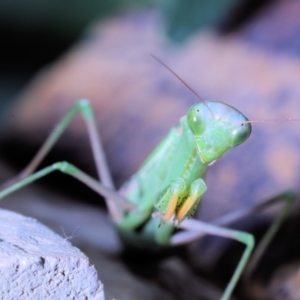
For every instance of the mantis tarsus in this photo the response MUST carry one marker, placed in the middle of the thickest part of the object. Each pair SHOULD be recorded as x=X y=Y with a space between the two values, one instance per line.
x=153 y=206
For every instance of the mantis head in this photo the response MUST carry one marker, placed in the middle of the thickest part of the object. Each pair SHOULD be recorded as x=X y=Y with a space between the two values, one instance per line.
x=216 y=131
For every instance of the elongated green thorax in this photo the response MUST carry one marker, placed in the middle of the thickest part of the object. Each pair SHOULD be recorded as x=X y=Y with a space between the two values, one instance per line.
x=170 y=183
x=219 y=131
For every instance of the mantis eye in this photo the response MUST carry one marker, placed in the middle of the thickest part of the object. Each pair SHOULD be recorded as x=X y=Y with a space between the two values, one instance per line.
x=195 y=120
x=240 y=133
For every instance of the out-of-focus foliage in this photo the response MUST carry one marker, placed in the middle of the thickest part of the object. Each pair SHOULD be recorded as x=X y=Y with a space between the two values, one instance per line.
x=66 y=17
x=183 y=17
x=34 y=32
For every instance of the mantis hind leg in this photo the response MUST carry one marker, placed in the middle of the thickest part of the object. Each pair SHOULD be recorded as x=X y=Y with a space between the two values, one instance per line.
x=243 y=237
x=84 y=108
x=287 y=198
x=71 y=170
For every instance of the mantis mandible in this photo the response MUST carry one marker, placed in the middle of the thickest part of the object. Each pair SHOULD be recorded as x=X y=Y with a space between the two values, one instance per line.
x=152 y=209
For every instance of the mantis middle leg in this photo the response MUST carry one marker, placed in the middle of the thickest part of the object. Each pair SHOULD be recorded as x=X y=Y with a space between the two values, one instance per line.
x=243 y=237
x=84 y=108
x=287 y=198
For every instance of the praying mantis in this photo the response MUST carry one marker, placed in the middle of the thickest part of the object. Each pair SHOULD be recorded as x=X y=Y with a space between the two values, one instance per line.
x=153 y=209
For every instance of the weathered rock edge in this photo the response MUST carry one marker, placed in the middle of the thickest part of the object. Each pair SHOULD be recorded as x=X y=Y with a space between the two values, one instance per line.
x=36 y=263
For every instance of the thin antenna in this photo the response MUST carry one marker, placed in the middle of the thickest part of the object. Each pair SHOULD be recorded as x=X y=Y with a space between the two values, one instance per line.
x=162 y=63
x=269 y=121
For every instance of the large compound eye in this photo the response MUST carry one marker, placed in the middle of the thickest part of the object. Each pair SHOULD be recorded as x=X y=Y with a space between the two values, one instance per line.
x=241 y=133
x=196 y=120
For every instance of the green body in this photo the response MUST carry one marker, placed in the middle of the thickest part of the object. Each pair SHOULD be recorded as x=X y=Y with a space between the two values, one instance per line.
x=147 y=186
x=183 y=156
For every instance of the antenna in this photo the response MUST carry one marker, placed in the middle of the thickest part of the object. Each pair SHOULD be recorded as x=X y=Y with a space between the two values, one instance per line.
x=269 y=121
x=204 y=102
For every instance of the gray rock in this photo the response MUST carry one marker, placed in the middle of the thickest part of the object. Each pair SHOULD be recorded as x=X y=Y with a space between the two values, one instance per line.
x=36 y=263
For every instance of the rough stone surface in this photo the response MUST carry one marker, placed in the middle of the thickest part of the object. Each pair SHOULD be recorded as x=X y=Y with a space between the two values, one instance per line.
x=36 y=263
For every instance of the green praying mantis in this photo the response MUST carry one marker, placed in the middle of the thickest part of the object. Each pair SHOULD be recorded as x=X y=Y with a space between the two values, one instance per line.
x=153 y=209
